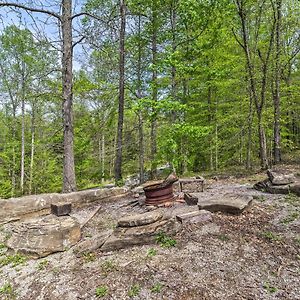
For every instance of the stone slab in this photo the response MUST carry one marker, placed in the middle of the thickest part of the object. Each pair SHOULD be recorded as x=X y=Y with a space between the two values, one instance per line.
x=195 y=217
x=141 y=235
x=281 y=177
x=40 y=237
x=36 y=205
x=228 y=203
x=140 y=219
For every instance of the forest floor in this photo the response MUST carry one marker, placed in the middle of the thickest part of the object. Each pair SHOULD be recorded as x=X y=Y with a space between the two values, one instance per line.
x=255 y=255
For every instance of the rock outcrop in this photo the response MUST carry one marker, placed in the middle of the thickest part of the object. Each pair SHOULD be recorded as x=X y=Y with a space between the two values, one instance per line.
x=36 y=205
x=279 y=182
x=40 y=237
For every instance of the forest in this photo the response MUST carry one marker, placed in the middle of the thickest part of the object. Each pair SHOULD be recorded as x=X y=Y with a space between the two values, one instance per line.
x=93 y=91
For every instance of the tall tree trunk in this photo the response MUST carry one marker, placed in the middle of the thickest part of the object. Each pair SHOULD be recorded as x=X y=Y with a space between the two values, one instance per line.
x=118 y=164
x=69 y=180
x=263 y=143
x=22 y=140
x=276 y=95
x=103 y=157
x=173 y=19
x=140 y=114
x=154 y=90
x=32 y=149
x=250 y=124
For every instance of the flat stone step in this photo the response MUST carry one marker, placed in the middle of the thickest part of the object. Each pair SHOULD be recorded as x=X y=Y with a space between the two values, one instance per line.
x=228 y=203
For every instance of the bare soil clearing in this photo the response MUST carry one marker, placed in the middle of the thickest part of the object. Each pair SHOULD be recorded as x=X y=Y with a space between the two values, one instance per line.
x=255 y=255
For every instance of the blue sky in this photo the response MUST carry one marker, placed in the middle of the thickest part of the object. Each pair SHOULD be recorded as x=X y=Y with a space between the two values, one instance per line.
x=41 y=24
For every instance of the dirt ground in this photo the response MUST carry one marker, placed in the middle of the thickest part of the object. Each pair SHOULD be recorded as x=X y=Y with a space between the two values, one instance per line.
x=255 y=255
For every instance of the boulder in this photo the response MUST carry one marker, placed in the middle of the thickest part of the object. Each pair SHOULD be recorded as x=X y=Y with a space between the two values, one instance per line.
x=228 y=203
x=140 y=219
x=40 y=237
x=140 y=235
x=92 y=243
x=281 y=177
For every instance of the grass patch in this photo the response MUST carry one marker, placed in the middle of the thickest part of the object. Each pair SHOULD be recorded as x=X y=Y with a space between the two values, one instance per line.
x=101 y=291
x=42 y=265
x=164 y=240
x=134 y=290
x=223 y=237
x=108 y=266
x=290 y=218
x=157 y=288
x=15 y=260
x=271 y=236
x=292 y=199
x=7 y=291
x=151 y=252
x=270 y=289
x=89 y=257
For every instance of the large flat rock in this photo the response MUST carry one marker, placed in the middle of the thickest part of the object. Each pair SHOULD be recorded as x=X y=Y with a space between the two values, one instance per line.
x=281 y=177
x=140 y=219
x=40 y=237
x=140 y=235
x=228 y=203
x=36 y=205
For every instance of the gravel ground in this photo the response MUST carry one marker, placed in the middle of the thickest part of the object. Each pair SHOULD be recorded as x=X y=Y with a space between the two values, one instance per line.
x=252 y=256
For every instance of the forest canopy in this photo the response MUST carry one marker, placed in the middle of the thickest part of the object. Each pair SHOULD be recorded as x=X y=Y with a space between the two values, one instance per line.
x=96 y=90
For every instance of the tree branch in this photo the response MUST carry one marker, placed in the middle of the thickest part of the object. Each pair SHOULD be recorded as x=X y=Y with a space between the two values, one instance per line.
x=31 y=9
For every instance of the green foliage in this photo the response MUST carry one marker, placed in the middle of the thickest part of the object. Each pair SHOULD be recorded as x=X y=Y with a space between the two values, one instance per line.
x=89 y=257
x=14 y=260
x=42 y=265
x=108 y=266
x=156 y=288
x=271 y=236
x=164 y=240
x=270 y=289
x=7 y=291
x=290 y=218
x=134 y=290
x=151 y=252
x=101 y=291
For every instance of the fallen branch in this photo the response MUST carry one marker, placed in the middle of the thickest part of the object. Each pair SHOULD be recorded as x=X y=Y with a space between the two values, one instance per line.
x=90 y=216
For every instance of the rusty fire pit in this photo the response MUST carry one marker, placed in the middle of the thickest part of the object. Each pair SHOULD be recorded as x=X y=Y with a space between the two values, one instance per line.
x=157 y=194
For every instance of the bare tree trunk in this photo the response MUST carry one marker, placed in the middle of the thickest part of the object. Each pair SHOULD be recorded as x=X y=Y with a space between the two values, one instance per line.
x=103 y=157
x=69 y=181
x=276 y=96
x=140 y=114
x=154 y=91
x=249 y=142
x=22 y=142
x=173 y=19
x=32 y=149
x=118 y=163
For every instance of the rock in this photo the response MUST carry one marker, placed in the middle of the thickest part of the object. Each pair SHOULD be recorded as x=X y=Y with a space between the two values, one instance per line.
x=138 y=190
x=267 y=186
x=141 y=235
x=40 y=237
x=281 y=177
x=229 y=203
x=140 y=219
x=262 y=185
x=190 y=200
x=195 y=217
x=36 y=205
x=61 y=209
x=93 y=243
